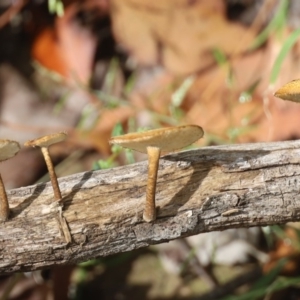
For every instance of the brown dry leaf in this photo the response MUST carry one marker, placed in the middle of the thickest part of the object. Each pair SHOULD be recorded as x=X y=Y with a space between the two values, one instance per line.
x=98 y=137
x=219 y=108
x=215 y=103
x=68 y=48
x=178 y=34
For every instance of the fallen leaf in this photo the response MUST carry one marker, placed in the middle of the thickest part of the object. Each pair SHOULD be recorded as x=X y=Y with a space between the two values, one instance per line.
x=180 y=35
x=68 y=48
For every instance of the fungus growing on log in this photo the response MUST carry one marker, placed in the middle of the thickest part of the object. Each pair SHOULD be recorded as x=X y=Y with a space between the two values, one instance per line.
x=8 y=149
x=290 y=91
x=44 y=143
x=154 y=142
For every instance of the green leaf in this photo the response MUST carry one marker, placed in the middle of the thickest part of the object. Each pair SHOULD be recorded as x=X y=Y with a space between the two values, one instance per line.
x=117 y=130
x=56 y=7
x=179 y=95
x=219 y=56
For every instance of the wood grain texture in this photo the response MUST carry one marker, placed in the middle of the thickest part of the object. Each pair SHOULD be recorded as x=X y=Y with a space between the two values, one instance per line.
x=103 y=209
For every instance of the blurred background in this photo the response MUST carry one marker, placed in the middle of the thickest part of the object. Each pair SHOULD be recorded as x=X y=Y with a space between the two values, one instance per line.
x=97 y=68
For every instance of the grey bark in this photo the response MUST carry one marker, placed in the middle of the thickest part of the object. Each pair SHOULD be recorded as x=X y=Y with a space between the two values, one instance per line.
x=211 y=188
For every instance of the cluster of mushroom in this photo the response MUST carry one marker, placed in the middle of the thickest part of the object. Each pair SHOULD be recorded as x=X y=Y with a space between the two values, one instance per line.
x=152 y=142
x=9 y=149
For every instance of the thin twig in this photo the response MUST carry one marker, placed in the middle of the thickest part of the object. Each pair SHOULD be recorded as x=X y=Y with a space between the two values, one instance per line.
x=12 y=11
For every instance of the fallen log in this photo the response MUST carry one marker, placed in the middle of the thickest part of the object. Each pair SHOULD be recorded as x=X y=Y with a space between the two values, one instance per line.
x=207 y=189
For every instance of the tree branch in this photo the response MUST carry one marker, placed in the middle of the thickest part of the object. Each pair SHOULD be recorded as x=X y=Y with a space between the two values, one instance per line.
x=207 y=189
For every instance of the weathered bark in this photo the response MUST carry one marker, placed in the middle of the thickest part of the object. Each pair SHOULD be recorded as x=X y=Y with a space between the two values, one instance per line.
x=207 y=189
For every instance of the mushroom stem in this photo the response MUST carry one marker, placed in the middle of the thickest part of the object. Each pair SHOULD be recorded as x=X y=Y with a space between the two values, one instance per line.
x=52 y=174
x=149 y=214
x=4 y=206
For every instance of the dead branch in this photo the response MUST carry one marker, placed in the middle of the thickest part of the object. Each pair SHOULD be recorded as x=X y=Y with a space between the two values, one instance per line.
x=11 y=12
x=207 y=189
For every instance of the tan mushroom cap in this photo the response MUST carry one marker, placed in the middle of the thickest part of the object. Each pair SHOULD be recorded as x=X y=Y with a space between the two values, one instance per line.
x=290 y=91
x=47 y=140
x=8 y=149
x=167 y=139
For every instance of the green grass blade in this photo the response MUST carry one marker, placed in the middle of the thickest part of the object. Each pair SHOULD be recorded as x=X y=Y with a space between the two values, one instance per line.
x=277 y=22
x=289 y=43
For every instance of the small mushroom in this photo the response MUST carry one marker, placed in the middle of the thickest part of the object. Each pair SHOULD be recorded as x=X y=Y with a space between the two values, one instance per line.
x=154 y=142
x=44 y=143
x=8 y=149
x=290 y=91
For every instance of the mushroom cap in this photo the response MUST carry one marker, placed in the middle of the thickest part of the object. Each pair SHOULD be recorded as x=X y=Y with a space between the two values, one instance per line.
x=47 y=140
x=290 y=91
x=167 y=139
x=8 y=149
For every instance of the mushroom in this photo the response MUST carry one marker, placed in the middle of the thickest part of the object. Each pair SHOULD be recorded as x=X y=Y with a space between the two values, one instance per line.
x=8 y=149
x=153 y=142
x=290 y=91
x=44 y=143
